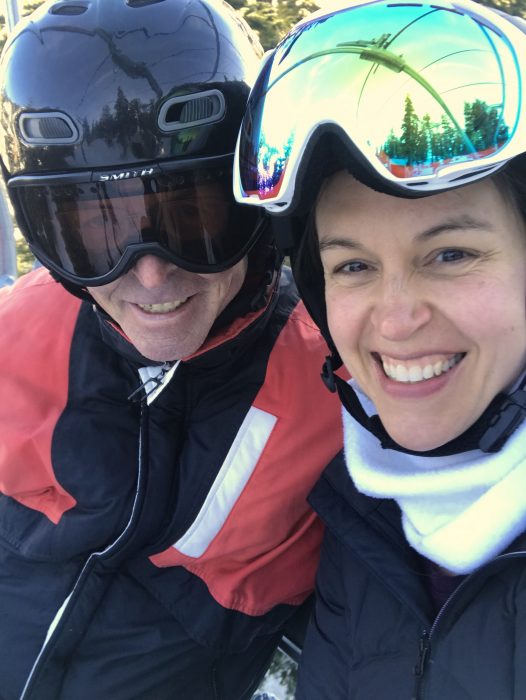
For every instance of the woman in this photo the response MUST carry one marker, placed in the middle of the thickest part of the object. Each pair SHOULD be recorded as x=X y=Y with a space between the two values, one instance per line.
x=405 y=125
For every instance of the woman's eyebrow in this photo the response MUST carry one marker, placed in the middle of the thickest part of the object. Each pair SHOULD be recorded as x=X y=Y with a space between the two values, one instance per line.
x=330 y=242
x=464 y=222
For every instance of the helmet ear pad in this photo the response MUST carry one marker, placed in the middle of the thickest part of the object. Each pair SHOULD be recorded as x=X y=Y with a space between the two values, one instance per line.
x=308 y=273
x=512 y=182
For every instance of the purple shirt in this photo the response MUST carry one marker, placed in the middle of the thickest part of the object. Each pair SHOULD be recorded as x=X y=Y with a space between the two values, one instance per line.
x=439 y=584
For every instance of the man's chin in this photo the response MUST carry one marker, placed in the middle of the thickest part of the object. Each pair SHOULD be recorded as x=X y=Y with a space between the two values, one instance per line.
x=166 y=350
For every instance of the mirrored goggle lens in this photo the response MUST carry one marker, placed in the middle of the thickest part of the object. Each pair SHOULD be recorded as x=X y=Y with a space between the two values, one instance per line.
x=86 y=229
x=421 y=90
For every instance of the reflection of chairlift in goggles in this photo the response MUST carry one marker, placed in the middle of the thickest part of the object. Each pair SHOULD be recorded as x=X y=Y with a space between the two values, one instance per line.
x=91 y=227
x=425 y=96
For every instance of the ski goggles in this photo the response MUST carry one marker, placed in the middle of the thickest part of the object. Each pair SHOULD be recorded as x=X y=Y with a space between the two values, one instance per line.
x=423 y=96
x=90 y=228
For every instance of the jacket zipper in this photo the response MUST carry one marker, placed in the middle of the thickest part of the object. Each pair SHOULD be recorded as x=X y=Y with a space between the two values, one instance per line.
x=108 y=551
x=423 y=647
x=427 y=637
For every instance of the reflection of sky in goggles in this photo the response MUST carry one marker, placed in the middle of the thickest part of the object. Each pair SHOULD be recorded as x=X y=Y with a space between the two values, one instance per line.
x=426 y=92
x=91 y=231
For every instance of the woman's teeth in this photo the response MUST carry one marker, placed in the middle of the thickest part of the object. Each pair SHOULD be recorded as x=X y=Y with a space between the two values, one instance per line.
x=417 y=373
x=163 y=308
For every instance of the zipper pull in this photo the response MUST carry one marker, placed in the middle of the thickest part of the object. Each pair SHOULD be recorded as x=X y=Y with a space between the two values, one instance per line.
x=418 y=670
x=147 y=388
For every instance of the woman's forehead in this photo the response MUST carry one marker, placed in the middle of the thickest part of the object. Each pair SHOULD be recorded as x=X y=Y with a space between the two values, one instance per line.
x=343 y=200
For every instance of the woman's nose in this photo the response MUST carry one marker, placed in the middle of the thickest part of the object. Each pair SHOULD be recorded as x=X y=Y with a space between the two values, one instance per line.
x=152 y=271
x=400 y=311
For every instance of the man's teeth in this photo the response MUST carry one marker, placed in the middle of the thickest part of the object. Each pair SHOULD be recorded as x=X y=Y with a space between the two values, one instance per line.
x=418 y=373
x=163 y=308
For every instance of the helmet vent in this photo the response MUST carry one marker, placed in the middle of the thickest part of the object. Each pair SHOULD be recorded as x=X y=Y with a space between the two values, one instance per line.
x=192 y=110
x=47 y=128
x=67 y=8
x=142 y=3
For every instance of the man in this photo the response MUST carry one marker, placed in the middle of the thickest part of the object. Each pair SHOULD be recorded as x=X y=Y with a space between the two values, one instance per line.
x=155 y=452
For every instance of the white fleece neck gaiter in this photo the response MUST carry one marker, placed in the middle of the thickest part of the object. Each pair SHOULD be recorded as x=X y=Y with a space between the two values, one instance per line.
x=459 y=511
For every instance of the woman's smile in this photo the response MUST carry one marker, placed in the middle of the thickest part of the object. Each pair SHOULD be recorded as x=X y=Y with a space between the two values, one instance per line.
x=418 y=370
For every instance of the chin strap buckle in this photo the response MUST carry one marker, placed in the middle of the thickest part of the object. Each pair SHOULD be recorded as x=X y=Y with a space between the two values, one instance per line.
x=327 y=374
x=506 y=419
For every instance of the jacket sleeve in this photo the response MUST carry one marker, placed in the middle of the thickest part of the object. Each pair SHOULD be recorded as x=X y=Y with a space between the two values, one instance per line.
x=37 y=321
x=325 y=656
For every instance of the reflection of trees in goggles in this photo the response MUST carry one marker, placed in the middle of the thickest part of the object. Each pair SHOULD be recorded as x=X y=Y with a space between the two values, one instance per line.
x=414 y=76
x=424 y=144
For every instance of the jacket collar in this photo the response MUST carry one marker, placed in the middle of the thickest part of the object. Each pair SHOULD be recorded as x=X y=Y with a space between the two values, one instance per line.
x=371 y=528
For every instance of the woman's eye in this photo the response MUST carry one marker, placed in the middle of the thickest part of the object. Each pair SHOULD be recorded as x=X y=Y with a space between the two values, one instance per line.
x=354 y=266
x=452 y=255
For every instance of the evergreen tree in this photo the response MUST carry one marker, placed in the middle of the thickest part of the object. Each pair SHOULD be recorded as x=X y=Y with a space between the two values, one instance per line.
x=410 y=133
x=483 y=125
x=392 y=146
x=437 y=144
x=272 y=19
x=424 y=149
x=450 y=138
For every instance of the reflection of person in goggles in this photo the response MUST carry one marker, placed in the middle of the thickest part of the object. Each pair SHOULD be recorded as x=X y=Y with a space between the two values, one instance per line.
x=91 y=232
x=389 y=141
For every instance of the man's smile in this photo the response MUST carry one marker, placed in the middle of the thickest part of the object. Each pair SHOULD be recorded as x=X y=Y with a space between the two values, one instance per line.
x=162 y=308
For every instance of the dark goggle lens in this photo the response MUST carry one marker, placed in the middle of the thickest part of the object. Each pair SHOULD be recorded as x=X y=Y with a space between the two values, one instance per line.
x=86 y=229
x=418 y=89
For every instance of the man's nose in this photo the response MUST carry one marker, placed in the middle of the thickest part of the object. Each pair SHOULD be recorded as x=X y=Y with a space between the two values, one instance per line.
x=152 y=271
x=400 y=310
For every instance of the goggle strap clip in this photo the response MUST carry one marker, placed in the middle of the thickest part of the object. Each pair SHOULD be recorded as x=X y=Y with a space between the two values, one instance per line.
x=284 y=232
x=142 y=393
x=509 y=415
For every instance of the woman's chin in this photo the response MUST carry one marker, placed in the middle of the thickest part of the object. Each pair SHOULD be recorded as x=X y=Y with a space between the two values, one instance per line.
x=420 y=441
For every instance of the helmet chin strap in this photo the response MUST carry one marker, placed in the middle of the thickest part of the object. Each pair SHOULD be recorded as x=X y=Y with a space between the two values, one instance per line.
x=489 y=433
x=75 y=289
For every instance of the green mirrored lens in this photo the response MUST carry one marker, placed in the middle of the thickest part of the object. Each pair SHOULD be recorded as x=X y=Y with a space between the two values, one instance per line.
x=416 y=87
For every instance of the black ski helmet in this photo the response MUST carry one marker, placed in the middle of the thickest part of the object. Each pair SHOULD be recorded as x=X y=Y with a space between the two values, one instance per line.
x=127 y=101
